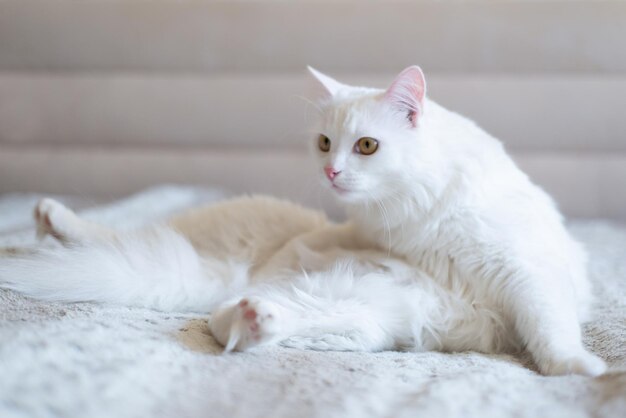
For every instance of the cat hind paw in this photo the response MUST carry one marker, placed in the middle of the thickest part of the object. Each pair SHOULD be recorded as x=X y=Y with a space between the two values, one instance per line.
x=249 y=323
x=52 y=218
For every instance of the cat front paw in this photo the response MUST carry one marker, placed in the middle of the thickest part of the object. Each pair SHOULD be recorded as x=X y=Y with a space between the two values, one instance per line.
x=248 y=323
x=582 y=363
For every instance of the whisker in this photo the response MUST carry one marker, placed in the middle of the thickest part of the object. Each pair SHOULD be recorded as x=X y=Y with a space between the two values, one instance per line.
x=385 y=215
x=310 y=103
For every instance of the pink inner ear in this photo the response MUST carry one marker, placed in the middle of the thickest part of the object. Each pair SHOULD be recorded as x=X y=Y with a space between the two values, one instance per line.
x=407 y=93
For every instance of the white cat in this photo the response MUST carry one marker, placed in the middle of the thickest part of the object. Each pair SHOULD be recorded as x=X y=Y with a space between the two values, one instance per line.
x=450 y=247
x=430 y=185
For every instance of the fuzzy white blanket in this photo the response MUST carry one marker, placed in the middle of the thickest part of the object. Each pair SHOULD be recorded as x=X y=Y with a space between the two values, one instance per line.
x=89 y=360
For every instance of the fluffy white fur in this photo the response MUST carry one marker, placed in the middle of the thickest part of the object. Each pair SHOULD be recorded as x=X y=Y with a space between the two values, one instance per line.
x=450 y=247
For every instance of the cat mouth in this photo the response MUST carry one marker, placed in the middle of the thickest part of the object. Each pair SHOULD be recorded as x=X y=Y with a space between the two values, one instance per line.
x=339 y=189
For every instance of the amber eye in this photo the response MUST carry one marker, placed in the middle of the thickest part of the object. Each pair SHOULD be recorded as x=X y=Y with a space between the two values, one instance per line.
x=366 y=146
x=324 y=143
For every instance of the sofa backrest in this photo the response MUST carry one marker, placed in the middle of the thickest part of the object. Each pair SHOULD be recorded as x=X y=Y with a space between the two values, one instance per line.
x=105 y=97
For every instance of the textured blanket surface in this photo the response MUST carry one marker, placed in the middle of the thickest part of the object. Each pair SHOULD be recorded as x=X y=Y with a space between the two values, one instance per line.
x=90 y=360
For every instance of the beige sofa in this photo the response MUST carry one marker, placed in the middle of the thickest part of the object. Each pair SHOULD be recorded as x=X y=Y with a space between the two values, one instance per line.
x=103 y=98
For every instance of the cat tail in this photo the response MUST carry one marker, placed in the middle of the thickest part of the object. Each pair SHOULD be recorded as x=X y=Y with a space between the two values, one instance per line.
x=154 y=268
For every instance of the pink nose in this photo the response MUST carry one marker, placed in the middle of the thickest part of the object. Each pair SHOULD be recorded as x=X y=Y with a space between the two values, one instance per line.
x=331 y=173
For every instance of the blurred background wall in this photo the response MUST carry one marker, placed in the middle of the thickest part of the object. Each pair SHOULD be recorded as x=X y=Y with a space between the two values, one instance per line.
x=104 y=97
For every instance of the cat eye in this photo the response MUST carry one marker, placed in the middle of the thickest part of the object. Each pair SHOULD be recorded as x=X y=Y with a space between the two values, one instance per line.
x=366 y=146
x=324 y=143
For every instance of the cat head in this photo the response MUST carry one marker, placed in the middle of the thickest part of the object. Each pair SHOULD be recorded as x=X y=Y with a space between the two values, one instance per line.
x=366 y=138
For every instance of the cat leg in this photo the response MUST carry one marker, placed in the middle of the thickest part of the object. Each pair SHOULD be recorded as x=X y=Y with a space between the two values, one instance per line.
x=54 y=219
x=545 y=317
x=254 y=321
x=60 y=222
x=326 y=311
x=357 y=324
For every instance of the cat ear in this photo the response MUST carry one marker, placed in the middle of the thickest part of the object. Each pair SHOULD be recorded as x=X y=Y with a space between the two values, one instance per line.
x=407 y=92
x=330 y=85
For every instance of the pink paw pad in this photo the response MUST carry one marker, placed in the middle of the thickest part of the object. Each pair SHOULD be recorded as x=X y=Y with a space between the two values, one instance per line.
x=258 y=318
